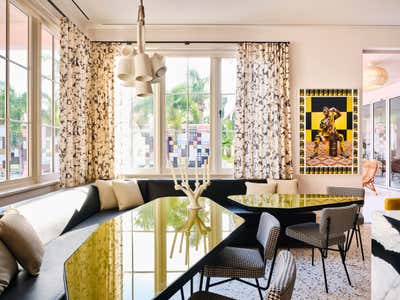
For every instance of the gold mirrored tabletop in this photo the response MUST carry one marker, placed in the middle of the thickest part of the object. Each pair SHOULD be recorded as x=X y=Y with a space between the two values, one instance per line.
x=296 y=202
x=142 y=253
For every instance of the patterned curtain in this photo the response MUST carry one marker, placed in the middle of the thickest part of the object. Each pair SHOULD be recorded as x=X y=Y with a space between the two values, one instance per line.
x=75 y=107
x=263 y=118
x=86 y=108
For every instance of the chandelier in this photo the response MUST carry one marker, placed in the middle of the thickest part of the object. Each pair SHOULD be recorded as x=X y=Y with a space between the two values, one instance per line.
x=137 y=69
x=374 y=77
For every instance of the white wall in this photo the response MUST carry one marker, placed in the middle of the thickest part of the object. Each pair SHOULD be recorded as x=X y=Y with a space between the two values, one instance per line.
x=321 y=57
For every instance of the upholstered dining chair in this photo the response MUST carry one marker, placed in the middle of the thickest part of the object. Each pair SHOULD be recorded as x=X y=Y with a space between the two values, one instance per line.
x=357 y=192
x=335 y=228
x=237 y=263
x=280 y=289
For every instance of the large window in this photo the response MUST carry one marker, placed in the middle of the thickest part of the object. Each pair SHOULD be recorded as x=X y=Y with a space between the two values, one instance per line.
x=380 y=140
x=188 y=109
x=50 y=87
x=395 y=142
x=189 y=117
x=14 y=96
x=366 y=132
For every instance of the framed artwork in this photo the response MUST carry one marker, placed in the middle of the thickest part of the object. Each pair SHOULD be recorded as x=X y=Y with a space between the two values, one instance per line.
x=329 y=131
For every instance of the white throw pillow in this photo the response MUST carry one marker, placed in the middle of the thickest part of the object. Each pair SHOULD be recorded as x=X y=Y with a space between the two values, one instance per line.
x=253 y=188
x=106 y=194
x=128 y=194
x=285 y=186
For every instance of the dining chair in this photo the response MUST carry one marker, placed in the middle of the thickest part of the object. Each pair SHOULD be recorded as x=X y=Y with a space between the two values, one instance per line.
x=357 y=192
x=335 y=228
x=236 y=263
x=281 y=288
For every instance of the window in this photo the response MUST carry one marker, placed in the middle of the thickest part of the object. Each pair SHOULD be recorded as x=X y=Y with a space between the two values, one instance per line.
x=366 y=132
x=187 y=103
x=50 y=87
x=395 y=142
x=380 y=140
x=14 y=95
x=226 y=113
x=195 y=103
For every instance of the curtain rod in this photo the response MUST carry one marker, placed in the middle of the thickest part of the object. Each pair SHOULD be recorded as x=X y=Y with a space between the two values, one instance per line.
x=194 y=42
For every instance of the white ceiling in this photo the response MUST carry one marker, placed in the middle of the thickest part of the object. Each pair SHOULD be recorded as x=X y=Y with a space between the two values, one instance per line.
x=245 y=12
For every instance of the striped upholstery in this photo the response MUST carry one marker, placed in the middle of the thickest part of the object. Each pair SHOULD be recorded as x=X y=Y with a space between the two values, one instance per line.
x=268 y=232
x=237 y=262
x=208 y=296
x=348 y=191
x=285 y=277
x=310 y=234
x=281 y=288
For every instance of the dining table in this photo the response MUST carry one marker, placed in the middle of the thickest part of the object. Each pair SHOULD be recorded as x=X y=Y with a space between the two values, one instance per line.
x=151 y=251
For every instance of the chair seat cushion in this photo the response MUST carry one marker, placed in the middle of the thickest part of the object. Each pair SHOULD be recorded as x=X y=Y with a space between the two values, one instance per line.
x=309 y=233
x=208 y=296
x=236 y=262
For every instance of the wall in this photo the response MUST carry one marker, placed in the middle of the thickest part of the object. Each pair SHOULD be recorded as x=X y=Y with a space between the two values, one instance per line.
x=321 y=57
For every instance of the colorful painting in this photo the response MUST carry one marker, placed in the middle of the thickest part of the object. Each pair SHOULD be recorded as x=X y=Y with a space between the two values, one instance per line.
x=328 y=131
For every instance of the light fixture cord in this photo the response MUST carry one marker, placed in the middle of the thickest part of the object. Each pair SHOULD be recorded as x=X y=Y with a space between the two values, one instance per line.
x=140 y=27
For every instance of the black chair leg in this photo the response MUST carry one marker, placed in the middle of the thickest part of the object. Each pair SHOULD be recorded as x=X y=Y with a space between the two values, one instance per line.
x=201 y=280
x=259 y=289
x=342 y=255
x=182 y=294
x=356 y=231
x=191 y=286
x=207 y=283
x=323 y=268
x=312 y=255
x=361 y=245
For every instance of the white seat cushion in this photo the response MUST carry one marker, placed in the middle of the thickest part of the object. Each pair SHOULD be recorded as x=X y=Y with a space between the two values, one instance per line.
x=253 y=188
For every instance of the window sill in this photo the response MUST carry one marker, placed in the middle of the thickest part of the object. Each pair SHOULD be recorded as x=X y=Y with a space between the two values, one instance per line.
x=14 y=191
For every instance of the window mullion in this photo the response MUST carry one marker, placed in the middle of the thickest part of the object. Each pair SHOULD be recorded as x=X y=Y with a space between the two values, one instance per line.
x=52 y=105
x=7 y=111
x=215 y=122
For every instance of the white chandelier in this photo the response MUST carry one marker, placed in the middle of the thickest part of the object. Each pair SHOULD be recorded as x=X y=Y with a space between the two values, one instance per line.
x=135 y=68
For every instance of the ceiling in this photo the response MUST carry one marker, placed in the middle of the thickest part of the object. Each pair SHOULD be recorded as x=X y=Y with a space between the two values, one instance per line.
x=228 y=12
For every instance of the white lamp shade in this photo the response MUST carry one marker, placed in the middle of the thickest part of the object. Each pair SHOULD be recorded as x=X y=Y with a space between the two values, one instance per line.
x=374 y=77
x=128 y=51
x=143 y=68
x=126 y=68
x=158 y=65
x=143 y=88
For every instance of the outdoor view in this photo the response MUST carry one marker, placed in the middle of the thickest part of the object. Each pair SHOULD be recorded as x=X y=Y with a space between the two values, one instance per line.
x=17 y=119
x=187 y=116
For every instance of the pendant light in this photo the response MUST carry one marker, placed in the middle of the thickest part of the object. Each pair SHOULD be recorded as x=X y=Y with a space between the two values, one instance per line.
x=135 y=67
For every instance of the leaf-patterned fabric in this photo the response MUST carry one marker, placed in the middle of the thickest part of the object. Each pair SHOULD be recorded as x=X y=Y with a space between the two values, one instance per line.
x=86 y=108
x=263 y=115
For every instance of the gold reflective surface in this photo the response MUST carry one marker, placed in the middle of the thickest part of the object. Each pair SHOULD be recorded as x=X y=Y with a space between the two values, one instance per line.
x=140 y=253
x=292 y=201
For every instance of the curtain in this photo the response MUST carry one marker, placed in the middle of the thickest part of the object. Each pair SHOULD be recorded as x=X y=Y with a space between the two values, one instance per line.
x=75 y=145
x=86 y=108
x=262 y=142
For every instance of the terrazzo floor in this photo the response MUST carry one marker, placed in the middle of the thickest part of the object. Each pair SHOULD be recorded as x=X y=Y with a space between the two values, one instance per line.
x=309 y=282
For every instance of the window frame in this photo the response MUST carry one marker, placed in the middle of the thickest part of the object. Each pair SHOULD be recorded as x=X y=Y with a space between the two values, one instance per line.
x=160 y=125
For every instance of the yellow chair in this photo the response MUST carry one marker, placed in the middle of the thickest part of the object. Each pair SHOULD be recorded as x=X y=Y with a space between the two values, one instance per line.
x=392 y=204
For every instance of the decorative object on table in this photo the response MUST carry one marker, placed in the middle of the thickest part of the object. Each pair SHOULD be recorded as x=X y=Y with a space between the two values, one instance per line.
x=369 y=170
x=201 y=230
x=329 y=131
x=184 y=186
x=135 y=68
x=385 y=258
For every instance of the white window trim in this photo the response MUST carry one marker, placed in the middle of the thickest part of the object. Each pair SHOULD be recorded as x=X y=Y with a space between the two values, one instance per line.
x=161 y=169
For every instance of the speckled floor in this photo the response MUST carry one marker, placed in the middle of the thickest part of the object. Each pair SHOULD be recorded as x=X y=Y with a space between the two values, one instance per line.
x=310 y=282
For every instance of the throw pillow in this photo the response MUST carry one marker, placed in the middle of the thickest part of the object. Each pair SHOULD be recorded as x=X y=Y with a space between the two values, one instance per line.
x=284 y=186
x=128 y=194
x=106 y=194
x=22 y=240
x=8 y=267
x=253 y=188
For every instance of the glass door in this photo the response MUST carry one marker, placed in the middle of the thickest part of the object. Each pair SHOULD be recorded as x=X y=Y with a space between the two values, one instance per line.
x=394 y=177
x=379 y=116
